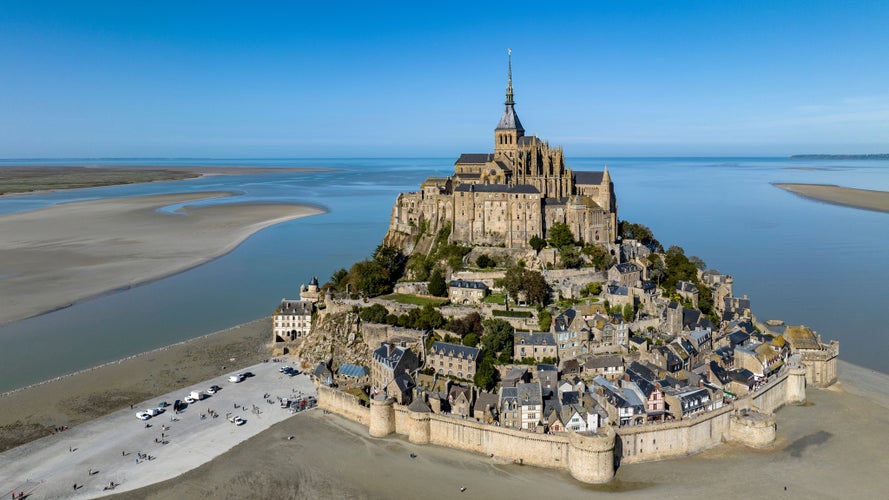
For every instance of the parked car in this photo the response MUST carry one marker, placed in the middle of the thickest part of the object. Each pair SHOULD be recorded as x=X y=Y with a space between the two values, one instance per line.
x=213 y=389
x=163 y=404
x=143 y=415
x=189 y=399
x=236 y=378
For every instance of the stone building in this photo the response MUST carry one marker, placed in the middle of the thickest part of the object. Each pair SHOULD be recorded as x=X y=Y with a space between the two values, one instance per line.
x=453 y=359
x=538 y=346
x=467 y=292
x=389 y=362
x=509 y=196
x=292 y=320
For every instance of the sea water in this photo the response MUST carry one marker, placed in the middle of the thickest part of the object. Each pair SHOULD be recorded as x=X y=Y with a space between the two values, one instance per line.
x=801 y=261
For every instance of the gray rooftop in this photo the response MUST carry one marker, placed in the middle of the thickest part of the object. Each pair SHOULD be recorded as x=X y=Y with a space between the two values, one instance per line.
x=295 y=307
x=581 y=177
x=475 y=158
x=455 y=350
x=478 y=285
x=538 y=338
x=510 y=120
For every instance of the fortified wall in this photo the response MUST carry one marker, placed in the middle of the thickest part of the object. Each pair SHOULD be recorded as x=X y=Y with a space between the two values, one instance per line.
x=590 y=458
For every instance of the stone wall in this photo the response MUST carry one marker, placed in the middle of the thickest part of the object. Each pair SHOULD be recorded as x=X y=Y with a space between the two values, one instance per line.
x=343 y=404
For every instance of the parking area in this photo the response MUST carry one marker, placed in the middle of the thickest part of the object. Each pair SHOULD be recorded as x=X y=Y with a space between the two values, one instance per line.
x=120 y=452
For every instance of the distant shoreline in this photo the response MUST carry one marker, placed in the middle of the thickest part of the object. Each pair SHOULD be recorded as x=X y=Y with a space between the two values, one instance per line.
x=862 y=199
x=880 y=156
x=21 y=180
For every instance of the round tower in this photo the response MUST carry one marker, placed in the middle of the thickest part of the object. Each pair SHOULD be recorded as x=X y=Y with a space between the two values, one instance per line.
x=382 y=417
x=796 y=385
x=752 y=428
x=591 y=456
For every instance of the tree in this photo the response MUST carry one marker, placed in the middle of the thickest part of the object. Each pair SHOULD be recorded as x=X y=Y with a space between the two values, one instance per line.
x=437 y=285
x=373 y=314
x=391 y=260
x=368 y=277
x=560 y=235
x=698 y=262
x=485 y=374
x=598 y=255
x=483 y=261
x=569 y=258
x=537 y=243
x=519 y=280
x=498 y=336
x=628 y=312
x=640 y=233
x=679 y=268
x=470 y=340
x=545 y=320
x=471 y=323
x=592 y=288
x=338 y=279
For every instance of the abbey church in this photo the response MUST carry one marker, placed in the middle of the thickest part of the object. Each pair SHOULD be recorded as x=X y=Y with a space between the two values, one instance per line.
x=508 y=196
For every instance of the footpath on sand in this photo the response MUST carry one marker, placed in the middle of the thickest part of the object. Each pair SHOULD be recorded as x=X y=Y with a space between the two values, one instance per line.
x=119 y=452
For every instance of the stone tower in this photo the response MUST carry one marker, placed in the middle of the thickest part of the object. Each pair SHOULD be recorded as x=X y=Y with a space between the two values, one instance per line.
x=509 y=130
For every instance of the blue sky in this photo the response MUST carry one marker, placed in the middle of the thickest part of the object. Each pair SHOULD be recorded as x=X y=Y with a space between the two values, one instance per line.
x=616 y=78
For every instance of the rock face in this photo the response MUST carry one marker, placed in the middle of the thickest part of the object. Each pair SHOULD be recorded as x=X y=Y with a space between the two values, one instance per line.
x=335 y=338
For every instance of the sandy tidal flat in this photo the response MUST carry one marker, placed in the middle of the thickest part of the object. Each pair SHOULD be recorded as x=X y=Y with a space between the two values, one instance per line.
x=866 y=199
x=59 y=255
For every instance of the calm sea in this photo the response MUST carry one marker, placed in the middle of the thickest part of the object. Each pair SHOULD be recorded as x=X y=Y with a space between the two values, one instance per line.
x=801 y=261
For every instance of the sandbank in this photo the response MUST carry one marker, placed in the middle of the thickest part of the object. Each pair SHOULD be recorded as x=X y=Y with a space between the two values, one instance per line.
x=55 y=256
x=864 y=199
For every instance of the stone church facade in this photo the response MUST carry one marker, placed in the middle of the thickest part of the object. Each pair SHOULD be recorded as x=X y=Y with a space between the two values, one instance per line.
x=508 y=196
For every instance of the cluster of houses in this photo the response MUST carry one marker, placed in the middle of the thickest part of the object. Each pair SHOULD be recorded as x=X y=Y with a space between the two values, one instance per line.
x=593 y=367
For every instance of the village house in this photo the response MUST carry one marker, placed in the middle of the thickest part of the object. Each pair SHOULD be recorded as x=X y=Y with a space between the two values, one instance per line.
x=623 y=407
x=539 y=346
x=453 y=359
x=735 y=308
x=460 y=400
x=625 y=274
x=485 y=408
x=467 y=292
x=390 y=361
x=609 y=366
x=687 y=401
x=688 y=291
x=292 y=320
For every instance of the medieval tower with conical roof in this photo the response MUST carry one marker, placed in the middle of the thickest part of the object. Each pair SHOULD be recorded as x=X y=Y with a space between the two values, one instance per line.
x=510 y=196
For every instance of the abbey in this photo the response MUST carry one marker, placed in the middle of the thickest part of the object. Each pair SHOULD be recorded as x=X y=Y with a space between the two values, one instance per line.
x=508 y=196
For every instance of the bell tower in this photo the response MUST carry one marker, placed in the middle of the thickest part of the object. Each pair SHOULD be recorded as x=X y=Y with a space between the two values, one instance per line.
x=509 y=130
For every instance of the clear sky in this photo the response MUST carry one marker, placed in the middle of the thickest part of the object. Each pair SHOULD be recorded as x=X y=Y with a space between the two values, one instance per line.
x=302 y=79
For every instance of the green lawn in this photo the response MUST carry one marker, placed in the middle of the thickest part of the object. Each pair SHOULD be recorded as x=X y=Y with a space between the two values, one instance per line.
x=496 y=298
x=416 y=300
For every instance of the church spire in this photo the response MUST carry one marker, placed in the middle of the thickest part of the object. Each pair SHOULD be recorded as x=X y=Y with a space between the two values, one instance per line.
x=509 y=95
x=509 y=120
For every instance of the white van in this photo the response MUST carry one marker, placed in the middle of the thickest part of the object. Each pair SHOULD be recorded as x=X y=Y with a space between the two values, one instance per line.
x=236 y=378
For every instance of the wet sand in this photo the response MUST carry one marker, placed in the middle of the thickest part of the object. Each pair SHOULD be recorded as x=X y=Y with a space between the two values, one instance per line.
x=864 y=199
x=53 y=257
x=832 y=447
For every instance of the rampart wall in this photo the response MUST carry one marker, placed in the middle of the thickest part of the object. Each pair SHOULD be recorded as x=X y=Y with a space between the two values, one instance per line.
x=589 y=458
x=343 y=403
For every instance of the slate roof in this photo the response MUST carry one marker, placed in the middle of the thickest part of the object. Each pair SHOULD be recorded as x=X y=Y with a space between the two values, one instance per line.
x=510 y=120
x=483 y=399
x=529 y=394
x=455 y=350
x=475 y=158
x=547 y=368
x=497 y=188
x=686 y=286
x=419 y=406
x=603 y=362
x=570 y=398
x=404 y=382
x=538 y=338
x=627 y=267
x=564 y=320
x=699 y=336
x=295 y=307
x=738 y=337
x=529 y=139
x=389 y=360
x=476 y=285
x=618 y=290
x=585 y=177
